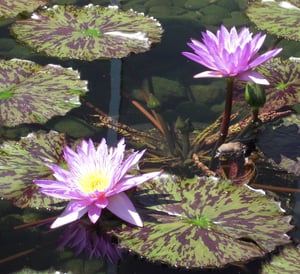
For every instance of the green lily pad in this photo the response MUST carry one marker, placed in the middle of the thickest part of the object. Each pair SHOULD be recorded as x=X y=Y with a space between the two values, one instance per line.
x=10 y=9
x=287 y=261
x=23 y=161
x=30 y=93
x=89 y=32
x=204 y=222
x=277 y=17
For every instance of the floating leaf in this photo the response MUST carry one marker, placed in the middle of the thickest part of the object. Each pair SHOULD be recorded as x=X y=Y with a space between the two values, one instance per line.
x=10 y=9
x=204 y=222
x=277 y=17
x=89 y=32
x=287 y=261
x=284 y=88
x=23 y=161
x=284 y=147
x=30 y=93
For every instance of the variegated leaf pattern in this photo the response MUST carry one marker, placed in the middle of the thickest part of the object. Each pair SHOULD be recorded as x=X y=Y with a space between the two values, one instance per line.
x=23 y=161
x=10 y=9
x=30 y=93
x=277 y=17
x=284 y=88
x=89 y=32
x=204 y=222
x=286 y=262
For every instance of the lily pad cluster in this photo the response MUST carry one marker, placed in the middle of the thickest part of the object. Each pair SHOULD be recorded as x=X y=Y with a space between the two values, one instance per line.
x=89 y=32
x=204 y=222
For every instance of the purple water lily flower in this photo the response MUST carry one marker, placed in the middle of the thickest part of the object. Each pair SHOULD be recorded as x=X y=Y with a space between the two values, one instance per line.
x=96 y=179
x=83 y=236
x=230 y=54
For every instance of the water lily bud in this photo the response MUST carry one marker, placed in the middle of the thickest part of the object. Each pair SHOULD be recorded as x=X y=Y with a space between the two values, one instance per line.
x=153 y=102
x=255 y=95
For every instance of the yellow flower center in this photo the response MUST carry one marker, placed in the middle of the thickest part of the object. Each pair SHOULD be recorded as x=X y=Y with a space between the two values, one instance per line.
x=94 y=181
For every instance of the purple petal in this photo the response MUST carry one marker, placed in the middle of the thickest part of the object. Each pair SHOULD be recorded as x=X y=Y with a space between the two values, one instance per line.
x=73 y=211
x=94 y=213
x=127 y=165
x=210 y=74
x=253 y=76
x=264 y=57
x=132 y=181
x=121 y=206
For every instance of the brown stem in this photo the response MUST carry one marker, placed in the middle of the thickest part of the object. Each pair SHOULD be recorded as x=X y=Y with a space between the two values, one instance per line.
x=225 y=121
x=148 y=115
x=227 y=111
x=276 y=188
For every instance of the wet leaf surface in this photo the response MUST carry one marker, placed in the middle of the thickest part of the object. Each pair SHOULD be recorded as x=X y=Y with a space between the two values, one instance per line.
x=89 y=32
x=23 y=161
x=204 y=222
x=30 y=93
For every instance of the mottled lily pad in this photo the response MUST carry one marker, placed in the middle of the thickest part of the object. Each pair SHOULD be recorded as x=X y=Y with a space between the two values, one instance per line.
x=284 y=88
x=30 y=93
x=23 y=161
x=277 y=17
x=287 y=261
x=89 y=32
x=10 y=9
x=204 y=222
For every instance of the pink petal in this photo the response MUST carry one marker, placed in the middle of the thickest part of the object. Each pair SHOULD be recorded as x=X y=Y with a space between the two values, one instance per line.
x=121 y=206
x=253 y=76
x=73 y=211
x=264 y=57
x=94 y=213
x=210 y=74
x=132 y=181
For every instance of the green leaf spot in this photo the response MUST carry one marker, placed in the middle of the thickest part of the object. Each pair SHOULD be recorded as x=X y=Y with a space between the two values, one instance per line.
x=202 y=222
x=281 y=86
x=6 y=94
x=93 y=32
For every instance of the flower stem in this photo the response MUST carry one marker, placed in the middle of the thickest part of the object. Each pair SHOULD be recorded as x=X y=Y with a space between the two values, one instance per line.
x=225 y=121
x=227 y=111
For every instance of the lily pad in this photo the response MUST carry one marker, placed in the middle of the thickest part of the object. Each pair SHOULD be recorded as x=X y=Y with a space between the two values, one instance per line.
x=287 y=261
x=23 y=161
x=89 y=32
x=10 y=9
x=284 y=88
x=30 y=93
x=204 y=222
x=277 y=17
x=284 y=149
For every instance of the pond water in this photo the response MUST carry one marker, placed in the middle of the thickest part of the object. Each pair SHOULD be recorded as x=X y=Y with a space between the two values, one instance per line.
x=166 y=73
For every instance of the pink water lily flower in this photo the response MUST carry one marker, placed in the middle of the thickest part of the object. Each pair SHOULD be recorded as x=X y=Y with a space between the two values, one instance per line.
x=96 y=178
x=230 y=54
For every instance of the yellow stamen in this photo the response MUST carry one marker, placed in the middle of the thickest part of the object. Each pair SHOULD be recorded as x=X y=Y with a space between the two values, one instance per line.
x=94 y=181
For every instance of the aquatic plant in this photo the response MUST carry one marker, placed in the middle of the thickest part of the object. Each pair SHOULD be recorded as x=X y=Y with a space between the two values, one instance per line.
x=96 y=178
x=187 y=220
x=230 y=54
x=68 y=32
